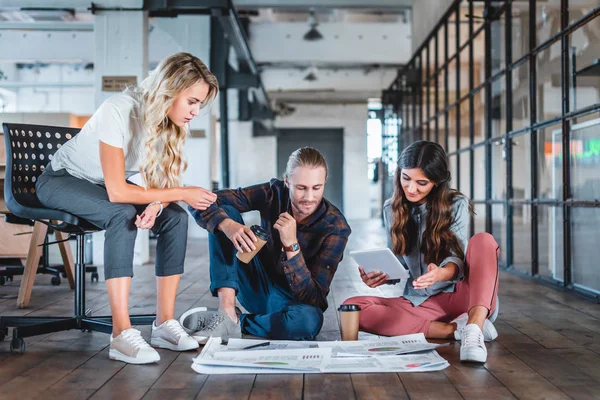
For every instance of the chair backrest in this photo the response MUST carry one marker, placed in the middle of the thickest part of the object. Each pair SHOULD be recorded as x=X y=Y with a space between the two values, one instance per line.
x=29 y=148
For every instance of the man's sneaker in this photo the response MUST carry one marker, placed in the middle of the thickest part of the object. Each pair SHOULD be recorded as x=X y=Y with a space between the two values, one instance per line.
x=130 y=347
x=195 y=319
x=472 y=348
x=220 y=325
x=170 y=335
x=489 y=330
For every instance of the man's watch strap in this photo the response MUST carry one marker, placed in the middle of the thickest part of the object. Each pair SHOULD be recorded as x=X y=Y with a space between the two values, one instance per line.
x=293 y=247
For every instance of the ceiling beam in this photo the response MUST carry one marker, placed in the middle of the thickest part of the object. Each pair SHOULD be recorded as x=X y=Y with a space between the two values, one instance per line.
x=304 y=4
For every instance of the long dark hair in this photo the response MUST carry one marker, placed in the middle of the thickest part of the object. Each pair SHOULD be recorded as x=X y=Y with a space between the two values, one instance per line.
x=438 y=240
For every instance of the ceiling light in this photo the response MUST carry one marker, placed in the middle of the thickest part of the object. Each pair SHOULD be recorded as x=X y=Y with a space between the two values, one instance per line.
x=312 y=34
x=311 y=77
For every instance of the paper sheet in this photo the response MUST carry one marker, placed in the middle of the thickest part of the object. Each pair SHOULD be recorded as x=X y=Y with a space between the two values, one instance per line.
x=378 y=355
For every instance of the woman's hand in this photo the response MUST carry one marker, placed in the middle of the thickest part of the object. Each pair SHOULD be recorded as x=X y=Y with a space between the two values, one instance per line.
x=198 y=198
x=148 y=217
x=373 y=279
x=434 y=274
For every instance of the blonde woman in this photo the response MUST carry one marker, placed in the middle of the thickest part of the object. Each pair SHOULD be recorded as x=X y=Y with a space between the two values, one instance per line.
x=142 y=130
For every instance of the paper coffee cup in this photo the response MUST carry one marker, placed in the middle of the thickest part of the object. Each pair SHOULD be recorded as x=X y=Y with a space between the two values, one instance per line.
x=262 y=236
x=349 y=317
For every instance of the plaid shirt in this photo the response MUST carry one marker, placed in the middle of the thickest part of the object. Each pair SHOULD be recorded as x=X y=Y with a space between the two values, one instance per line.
x=322 y=238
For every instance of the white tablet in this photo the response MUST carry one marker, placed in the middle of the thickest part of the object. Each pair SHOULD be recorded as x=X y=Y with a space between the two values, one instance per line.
x=380 y=260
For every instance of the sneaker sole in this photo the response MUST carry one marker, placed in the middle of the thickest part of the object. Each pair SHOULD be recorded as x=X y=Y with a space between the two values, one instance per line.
x=118 y=356
x=163 y=344
x=473 y=358
x=200 y=339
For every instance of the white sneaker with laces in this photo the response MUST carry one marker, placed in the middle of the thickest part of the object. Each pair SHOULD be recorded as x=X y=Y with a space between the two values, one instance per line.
x=472 y=348
x=171 y=335
x=489 y=330
x=130 y=347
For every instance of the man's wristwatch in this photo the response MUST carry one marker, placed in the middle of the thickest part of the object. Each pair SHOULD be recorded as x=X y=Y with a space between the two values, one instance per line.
x=293 y=247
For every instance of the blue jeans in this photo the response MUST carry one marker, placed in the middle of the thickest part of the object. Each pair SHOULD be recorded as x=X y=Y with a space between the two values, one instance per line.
x=273 y=311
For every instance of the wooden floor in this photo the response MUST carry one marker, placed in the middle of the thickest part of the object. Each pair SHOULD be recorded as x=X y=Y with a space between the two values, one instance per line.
x=548 y=348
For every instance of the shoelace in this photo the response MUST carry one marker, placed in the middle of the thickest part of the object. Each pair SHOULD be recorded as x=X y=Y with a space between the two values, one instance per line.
x=176 y=329
x=213 y=322
x=472 y=338
x=201 y=323
x=134 y=338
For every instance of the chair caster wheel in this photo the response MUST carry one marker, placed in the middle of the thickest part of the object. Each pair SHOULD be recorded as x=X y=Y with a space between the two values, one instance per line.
x=17 y=345
x=2 y=280
x=64 y=275
x=55 y=281
x=95 y=277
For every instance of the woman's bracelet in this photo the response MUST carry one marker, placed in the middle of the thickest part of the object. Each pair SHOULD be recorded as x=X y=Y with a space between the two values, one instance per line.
x=160 y=204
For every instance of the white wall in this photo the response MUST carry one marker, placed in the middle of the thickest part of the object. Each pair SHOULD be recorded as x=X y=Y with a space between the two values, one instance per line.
x=426 y=14
x=353 y=119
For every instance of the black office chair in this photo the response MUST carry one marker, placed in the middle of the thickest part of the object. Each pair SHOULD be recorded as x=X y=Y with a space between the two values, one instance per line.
x=28 y=149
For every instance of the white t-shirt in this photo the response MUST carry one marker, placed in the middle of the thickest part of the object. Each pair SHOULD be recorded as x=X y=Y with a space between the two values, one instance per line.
x=118 y=122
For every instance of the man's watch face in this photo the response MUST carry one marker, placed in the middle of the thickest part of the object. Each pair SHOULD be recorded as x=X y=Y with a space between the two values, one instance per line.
x=293 y=247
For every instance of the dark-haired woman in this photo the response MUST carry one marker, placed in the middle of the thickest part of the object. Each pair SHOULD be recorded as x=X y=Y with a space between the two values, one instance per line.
x=449 y=294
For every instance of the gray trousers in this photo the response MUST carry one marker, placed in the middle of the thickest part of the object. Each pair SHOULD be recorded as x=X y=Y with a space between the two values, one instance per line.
x=61 y=191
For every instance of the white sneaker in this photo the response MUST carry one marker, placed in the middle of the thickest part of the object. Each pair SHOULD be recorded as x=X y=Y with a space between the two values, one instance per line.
x=489 y=330
x=170 y=335
x=130 y=347
x=472 y=348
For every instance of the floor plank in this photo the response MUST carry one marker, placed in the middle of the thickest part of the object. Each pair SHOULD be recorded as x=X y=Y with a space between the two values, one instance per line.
x=548 y=346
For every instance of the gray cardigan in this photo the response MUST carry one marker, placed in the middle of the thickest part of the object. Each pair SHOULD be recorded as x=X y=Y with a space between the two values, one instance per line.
x=414 y=260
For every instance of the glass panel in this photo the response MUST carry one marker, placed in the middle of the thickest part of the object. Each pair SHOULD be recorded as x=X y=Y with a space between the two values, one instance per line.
x=440 y=36
x=479 y=217
x=586 y=252
x=452 y=82
x=453 y=170
x=550 y=242
x=521 y=166
x=465 y=174
x=549 y=95
x=520 y=97
x=520 y=29
x=432 y=66
x=522 y=238
x=452 y=35
x=498 y=44
x=550 y=163
x=499 y=107
x=479 y=58
x=479 y=120
x=547 y=18
x=464 y=72
x=585 y=160
x=452 y=131
x=479 y=173
x=463 y=13
x=464 y=124
x=585 y=48
x=579 y=8
x=499 y=229
x=498 y=171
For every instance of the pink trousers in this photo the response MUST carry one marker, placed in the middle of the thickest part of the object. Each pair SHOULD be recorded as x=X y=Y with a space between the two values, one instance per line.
x=397 y=316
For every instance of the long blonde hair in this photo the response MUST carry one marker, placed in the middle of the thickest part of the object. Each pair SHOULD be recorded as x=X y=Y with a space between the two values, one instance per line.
x=164 y=164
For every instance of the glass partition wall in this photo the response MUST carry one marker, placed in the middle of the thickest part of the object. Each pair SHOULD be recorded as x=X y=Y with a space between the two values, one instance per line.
x=511 y=90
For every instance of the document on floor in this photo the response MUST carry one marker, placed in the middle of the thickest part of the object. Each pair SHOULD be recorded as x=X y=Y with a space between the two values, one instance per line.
x=389 y=346
x=275 y=356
